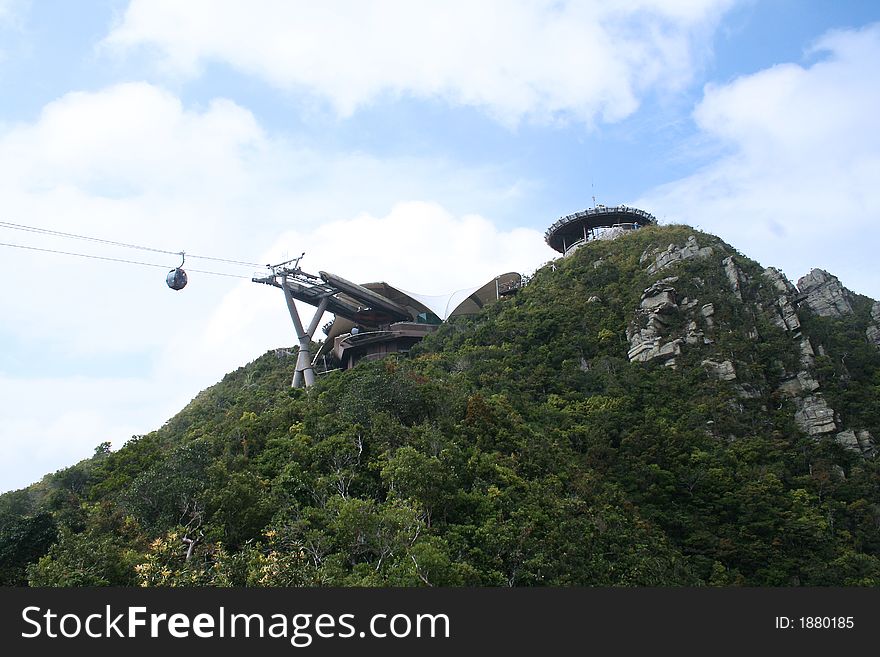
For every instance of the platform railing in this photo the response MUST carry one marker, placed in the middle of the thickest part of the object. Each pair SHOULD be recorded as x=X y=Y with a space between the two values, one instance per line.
x=599 y=210
x=604 y=233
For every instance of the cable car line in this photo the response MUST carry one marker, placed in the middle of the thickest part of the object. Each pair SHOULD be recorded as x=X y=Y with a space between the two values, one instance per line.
x=122 y=260
x=58 y=233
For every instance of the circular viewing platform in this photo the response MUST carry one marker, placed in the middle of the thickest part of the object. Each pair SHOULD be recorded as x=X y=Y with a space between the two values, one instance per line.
x=599 y=222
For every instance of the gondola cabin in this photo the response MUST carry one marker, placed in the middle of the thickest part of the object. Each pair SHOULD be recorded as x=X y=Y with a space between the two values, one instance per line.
x=176 y=279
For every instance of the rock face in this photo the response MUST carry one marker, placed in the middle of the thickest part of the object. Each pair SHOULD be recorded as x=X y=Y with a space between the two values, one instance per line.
x=734 y=276
x=658 y=304
x=814 y=416
x=654 y=348
x=824 y=294
x=802 y=383
x=655 y=309
x=658 y=297
x=873 y=330
x=867 y=442
x=694 y=335
x=668 y=322
x=861 y=442
x=724 y=371
x=780 y=282
x=707 y=311
x=673 y=254
x=783 y=312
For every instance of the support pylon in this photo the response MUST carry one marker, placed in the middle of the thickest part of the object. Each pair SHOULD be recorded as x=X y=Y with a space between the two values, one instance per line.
x=304 y=373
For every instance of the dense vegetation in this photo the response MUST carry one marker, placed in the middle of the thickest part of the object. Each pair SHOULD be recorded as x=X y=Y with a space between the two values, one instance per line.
x=518 y=447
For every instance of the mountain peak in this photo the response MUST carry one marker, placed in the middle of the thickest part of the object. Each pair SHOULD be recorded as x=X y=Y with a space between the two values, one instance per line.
x=654 y=409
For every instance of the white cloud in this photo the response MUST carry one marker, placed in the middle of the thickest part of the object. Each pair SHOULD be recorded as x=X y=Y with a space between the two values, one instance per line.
x=797 y=185
x=128 y=138
x=127 y=163
x=130 y=163
x=542 y=59
x=52 y=422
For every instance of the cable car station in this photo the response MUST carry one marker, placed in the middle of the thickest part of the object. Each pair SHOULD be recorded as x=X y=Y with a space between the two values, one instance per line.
x=369 y=320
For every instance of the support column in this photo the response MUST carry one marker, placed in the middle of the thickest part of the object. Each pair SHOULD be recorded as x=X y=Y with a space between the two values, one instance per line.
x=313 y=325
x=304 y=371
x=305 y=368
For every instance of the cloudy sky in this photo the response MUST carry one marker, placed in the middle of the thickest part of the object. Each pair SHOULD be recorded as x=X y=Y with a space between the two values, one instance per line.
x=426 y=144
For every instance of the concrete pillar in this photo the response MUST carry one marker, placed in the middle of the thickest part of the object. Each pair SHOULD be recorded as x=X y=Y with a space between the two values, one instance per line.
x=304 y=372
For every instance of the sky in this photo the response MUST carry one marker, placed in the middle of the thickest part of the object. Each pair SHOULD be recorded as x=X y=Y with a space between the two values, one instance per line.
x=427 y=144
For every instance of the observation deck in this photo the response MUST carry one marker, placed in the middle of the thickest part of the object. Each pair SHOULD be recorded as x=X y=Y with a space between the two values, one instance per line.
x=600 y=222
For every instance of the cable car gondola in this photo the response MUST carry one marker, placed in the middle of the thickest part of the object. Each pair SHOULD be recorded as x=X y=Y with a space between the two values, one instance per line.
x=176 y=278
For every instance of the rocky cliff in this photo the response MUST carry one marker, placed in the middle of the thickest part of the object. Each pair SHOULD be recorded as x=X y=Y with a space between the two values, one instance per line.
x=668 y=320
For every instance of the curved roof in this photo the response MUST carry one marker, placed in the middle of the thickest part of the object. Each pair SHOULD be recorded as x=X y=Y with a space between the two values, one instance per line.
x=572 y=228
x=365 y=295
x=461 y=302
x=466 y=301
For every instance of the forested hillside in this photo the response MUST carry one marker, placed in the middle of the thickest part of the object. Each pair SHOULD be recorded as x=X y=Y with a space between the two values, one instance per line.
x=653 y=410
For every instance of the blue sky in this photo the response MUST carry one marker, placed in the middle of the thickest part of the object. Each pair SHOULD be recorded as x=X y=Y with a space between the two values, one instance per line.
x=262 y=129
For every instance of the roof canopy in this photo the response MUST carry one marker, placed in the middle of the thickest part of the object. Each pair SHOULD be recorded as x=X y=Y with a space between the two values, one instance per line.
x=461 y=302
